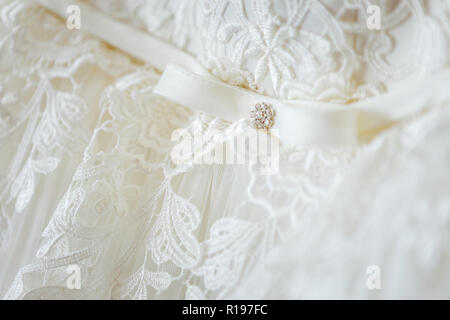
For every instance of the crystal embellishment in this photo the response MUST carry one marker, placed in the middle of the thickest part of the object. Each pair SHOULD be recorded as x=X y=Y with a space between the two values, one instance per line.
x=262 y=116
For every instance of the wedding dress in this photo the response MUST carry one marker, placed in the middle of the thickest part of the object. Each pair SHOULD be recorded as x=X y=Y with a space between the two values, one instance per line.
x=359 y=162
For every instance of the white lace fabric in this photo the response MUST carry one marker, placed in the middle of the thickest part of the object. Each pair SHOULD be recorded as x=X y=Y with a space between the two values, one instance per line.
x=45 y=120
x=142 y=227
x=312 y=50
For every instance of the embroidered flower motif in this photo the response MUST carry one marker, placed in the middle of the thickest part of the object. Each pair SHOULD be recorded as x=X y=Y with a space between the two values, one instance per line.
x=268 y=46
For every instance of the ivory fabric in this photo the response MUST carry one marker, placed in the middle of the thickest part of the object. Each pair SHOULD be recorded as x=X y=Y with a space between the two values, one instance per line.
x=89 y=174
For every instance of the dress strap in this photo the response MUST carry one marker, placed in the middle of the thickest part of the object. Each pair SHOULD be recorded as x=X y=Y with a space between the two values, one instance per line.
x=131 y=40
x=307 y=123
x=296 y=122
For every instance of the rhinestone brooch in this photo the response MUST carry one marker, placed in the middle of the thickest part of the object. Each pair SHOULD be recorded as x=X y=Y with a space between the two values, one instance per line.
x=262 y=116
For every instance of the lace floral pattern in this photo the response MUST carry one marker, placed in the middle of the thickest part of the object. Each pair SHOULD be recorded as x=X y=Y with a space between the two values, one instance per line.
x=136 y=223
x=46 y=113
x=125 y=192
x=314 y=50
